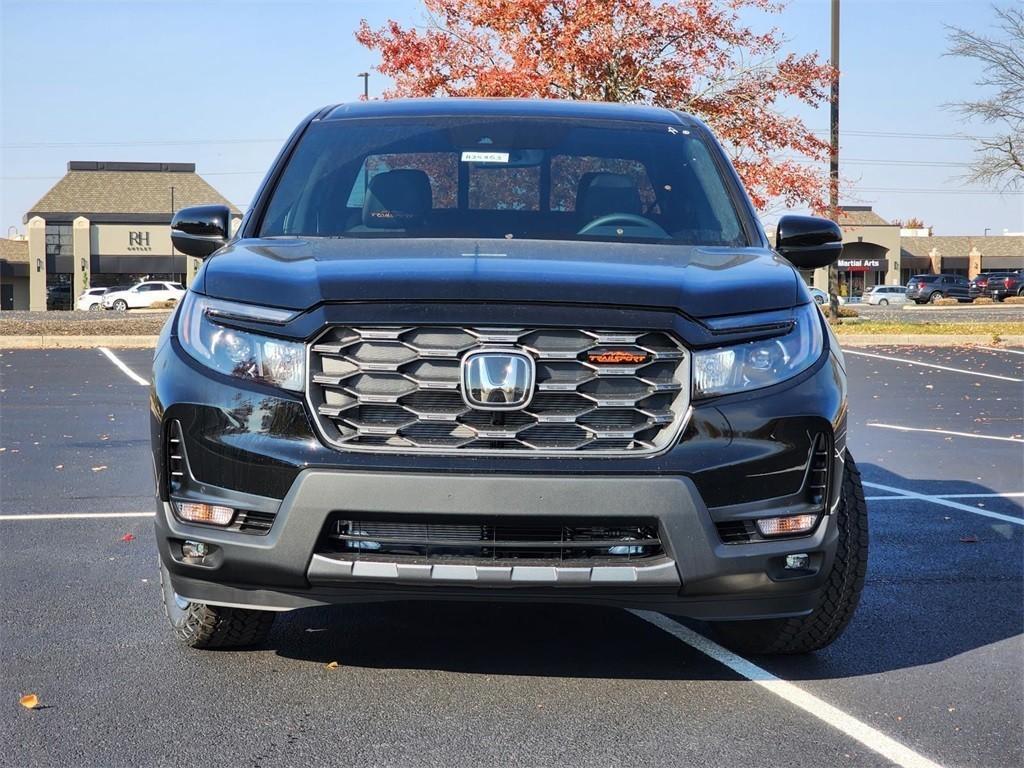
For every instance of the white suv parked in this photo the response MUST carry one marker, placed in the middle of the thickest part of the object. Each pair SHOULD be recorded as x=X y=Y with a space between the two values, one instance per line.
x=886 y=294
x=144 y=295
x=91 y=299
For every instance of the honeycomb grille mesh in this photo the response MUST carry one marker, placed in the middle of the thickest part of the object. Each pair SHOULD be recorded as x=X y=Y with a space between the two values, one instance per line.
x=399 y=389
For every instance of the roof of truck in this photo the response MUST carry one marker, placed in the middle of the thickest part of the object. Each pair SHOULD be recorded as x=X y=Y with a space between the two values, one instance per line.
x=553 y=108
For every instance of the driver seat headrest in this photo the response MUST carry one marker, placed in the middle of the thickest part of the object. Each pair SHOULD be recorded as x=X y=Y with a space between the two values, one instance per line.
x=602 y=192
x=397 y=199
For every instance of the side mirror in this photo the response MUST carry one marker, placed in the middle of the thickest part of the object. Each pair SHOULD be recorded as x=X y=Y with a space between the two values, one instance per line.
x=808 y=242
x=200 y=230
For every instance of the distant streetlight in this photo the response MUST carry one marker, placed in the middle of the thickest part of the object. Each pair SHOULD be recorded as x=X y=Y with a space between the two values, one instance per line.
x=366 y=84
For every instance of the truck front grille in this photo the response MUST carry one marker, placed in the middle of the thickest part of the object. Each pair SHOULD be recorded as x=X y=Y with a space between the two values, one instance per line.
x=494 y=540
x=376 y=388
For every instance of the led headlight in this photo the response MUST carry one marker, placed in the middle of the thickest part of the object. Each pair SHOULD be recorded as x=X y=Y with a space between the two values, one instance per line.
x=761 y=363
x=240 y=353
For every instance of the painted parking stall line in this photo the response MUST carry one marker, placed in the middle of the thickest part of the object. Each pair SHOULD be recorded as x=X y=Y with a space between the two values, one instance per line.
x=75 y=516
x=949 y=432
x=893 y=751
x=901 y=497
x=124 y=368
x=944 y=502
x=904 y=361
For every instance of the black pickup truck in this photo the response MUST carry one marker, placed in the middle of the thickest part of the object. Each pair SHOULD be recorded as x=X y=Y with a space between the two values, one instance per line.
x=505 y=350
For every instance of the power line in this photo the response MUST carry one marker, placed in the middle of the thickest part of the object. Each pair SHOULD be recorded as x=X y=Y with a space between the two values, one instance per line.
x=162 y=142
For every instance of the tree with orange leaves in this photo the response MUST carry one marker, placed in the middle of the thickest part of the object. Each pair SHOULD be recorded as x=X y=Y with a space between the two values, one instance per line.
x=692 y=55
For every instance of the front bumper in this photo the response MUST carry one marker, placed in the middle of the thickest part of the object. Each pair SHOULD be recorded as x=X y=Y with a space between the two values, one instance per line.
x=699 y=576
x=739 y=458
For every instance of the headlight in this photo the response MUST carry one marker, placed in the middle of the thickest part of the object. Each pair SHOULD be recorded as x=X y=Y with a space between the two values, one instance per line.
x=238 y=353
x=761 y=363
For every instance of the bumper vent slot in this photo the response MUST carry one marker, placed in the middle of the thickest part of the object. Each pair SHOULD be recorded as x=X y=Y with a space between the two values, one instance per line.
x=494 y=540
x=375 y=388
x=818 y=473
x=736 y=531
x=175 y=457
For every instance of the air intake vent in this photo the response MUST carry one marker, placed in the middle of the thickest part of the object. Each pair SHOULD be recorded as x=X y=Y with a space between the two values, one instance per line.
x=494 y=540
x=817 y=477
x=249 y=521
x=175 y=457
x=736 y=531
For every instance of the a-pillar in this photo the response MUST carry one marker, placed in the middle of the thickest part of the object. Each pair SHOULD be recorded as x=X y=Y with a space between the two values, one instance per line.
x=82 y=258
x=37 y=264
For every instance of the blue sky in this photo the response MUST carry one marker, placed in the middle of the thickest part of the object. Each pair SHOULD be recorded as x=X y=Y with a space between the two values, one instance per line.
x=221 y=84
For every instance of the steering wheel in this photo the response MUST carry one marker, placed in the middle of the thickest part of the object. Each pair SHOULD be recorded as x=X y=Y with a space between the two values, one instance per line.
x=624 y=218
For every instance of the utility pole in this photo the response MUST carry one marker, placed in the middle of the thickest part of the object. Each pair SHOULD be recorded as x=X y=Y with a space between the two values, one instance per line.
x=366 y=85
x=833 y=165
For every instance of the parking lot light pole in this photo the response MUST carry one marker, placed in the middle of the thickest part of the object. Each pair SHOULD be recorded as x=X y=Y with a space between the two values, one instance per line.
x=833 y=170
x=366 y=85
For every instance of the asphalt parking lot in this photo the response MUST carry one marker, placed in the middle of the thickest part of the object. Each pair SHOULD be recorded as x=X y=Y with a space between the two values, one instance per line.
x=930 y=672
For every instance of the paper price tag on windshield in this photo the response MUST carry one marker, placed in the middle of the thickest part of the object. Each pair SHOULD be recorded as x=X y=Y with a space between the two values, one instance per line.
x=485 y=157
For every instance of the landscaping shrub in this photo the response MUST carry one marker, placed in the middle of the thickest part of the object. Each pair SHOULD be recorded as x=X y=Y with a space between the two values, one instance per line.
x=947 y=302
x=984 y=300
x=1014 y=300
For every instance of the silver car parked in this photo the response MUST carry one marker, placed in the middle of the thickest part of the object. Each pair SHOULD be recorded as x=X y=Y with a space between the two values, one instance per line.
x=886 y=294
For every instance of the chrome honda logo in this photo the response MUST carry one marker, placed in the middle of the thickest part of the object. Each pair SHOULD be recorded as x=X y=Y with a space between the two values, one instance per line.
x=498 y=380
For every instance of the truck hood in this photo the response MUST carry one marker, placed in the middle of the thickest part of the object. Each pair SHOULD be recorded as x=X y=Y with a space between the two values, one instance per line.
x=699 y=281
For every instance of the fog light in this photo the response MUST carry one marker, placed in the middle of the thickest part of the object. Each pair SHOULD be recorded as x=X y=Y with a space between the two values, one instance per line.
x=797 y=562
x=214 y=514
x=786 y=526
x=195 y=549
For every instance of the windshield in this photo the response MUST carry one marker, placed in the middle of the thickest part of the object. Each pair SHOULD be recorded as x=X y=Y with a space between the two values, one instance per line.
x=509 y=178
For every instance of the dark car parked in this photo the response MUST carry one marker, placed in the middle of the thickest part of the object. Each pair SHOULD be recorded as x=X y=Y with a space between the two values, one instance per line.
x=1006 y=284
x=505 y=350
x=923 y=289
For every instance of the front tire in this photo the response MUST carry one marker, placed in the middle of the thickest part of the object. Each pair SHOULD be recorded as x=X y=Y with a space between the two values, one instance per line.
x=198 y=625
x=121 y=305
x=934 y=297
x=839 y=596
x=883 y=302
x=96 y=307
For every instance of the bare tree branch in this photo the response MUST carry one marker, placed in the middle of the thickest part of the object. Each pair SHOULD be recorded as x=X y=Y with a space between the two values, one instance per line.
x=999 y=159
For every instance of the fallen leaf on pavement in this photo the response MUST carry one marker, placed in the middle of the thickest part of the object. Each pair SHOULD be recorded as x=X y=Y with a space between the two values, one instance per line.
x=29 y=701
x=969 y=538
x=100 y=468
x=59 y=466
x=128 y=537
x=331 y=665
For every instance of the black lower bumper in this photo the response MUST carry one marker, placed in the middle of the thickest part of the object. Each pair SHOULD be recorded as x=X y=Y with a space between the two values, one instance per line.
x=699 y=575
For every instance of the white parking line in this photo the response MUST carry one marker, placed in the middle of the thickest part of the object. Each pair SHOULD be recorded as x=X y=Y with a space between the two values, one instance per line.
x=124 y=368
x=1017 y=495
x=76 y=515
x=945 y=503
x=898 y=428
x=930 y=365
x=894 y=752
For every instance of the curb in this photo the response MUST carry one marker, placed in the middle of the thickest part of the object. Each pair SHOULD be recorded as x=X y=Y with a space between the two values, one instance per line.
x=927 y=339
x=77 y=342
x=999 y=306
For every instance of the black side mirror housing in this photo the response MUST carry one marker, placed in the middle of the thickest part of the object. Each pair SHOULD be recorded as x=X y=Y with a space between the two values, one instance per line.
x=808 y=242
x=200 y=230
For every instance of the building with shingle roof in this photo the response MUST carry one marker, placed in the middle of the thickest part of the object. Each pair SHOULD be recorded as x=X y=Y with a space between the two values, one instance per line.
x=108 y=223
x=879 y=252
x=124 y=192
